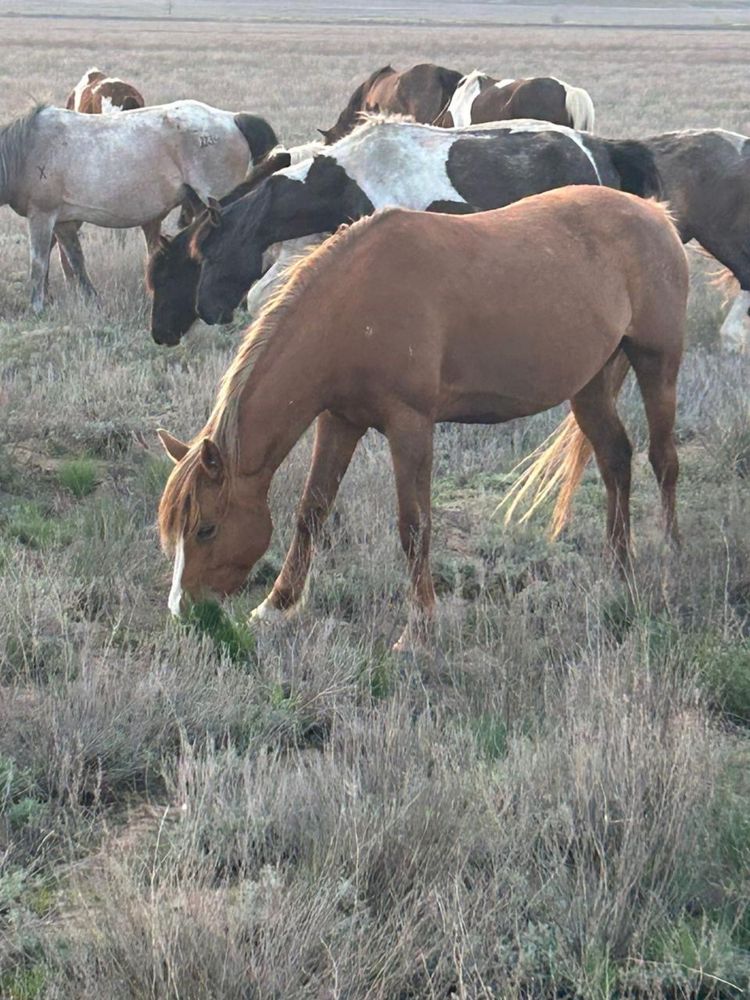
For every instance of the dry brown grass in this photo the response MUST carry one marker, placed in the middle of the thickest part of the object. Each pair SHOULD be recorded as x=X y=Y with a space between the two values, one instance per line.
x=554 y=803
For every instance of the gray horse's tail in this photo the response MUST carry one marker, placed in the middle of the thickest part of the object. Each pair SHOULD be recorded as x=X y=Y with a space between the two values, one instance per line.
x=14 y=142
x=258 y=134
x=636 y=166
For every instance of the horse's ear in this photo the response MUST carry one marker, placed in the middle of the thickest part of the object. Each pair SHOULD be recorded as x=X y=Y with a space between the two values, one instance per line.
x=277 y=161
x=175 y=448
x=211 y=460
x=214 y=212
x=267 y=166
x=326 y=133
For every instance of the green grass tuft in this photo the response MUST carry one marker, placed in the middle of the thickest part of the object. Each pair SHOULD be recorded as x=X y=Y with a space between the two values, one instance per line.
x=230 y=638
x=79 y=476
x=30 y=524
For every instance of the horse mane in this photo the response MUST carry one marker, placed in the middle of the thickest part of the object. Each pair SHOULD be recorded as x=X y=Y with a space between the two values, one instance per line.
x=178 y=511
x=369 y=119
x=354 y=104
x=14 y=139
x=476 y=74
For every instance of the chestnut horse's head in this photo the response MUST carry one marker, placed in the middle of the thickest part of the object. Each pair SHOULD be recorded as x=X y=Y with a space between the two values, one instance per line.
x=215 y=523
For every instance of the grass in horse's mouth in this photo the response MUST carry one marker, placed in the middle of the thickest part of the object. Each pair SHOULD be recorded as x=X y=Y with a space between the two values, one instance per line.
x=231 y=638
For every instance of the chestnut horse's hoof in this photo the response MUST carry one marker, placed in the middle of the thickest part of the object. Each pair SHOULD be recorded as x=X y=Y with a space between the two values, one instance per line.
x=267 y=614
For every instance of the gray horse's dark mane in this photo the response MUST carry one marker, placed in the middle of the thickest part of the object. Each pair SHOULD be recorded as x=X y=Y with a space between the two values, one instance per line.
x=14 y=139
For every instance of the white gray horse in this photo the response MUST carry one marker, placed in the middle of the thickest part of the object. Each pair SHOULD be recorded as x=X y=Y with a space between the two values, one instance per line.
x=59 y=168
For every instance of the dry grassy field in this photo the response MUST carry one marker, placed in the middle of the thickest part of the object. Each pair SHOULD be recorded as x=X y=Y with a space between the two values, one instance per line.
x=554 y=802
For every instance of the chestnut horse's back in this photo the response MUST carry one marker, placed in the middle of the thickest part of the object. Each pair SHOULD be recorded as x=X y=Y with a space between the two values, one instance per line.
x=471 y=311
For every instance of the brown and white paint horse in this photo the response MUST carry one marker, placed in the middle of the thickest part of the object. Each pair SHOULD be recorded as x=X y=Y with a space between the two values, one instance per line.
x=99 y=94
x=421 y=92
x=480 y=98
x=408 y=319
x=59 y=168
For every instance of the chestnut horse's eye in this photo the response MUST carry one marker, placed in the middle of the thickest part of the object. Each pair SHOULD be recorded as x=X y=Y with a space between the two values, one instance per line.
x=206 y=532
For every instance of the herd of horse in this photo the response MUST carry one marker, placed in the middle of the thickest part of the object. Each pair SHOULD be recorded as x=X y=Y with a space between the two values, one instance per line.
x=478 y=254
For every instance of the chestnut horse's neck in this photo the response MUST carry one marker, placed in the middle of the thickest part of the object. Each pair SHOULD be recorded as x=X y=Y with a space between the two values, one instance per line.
x=283 y=396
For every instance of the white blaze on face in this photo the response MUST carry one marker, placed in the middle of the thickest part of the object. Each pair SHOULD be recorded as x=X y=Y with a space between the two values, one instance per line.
x=175 y=594
x=735 y=330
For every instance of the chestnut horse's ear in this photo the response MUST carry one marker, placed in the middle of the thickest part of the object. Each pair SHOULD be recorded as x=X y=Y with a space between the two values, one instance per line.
x=175 y=448
x=214 y=212
x=211 y=460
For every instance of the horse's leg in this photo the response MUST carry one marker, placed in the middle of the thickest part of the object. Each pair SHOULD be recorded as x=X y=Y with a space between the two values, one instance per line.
x=596 y=413
x=657 y=380
x=152 y=231
x=40 y=243
x=335 y=442
x=411 y=442
x=72 y=253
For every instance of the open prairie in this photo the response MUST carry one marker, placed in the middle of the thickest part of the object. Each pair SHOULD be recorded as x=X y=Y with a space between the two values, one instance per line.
x=553 y=802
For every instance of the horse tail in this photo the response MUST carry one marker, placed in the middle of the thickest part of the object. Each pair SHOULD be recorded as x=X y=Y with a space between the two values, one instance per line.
x=635 y=164
x=557 y=464
x=258 y=134
x=580 y=107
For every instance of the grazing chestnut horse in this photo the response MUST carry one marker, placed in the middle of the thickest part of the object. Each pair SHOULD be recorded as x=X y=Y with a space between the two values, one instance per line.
x=408 y=318
x=480 y=98
x=421 y=92
x=59 y=169
x=99 y=94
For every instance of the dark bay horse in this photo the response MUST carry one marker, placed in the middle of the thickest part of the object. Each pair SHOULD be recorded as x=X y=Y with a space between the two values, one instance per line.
x=381 y=163
x=706 y=177
x=481 y=98
x=97 y=94
x=421 y=92
x=407 y=319
x=59 y=168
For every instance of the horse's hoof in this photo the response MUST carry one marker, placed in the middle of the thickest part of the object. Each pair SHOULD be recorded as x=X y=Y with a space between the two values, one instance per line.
x=410 y=644
x=267 y=614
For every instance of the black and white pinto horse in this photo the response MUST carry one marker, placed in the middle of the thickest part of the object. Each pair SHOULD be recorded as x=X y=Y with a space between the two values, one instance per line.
x=386 y=162
x=704 y=174
x=59 y=168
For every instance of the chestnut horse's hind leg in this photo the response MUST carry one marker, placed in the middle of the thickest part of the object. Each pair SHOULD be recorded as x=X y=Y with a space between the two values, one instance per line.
x=335 y=442
x=411 y=441
x=596 y=413
x=71 y=256
x=40 y=244
x=657 y=380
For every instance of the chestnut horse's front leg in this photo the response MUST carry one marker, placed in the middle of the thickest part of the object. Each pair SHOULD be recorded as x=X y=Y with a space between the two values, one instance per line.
x=410 y=438
x=335 y=442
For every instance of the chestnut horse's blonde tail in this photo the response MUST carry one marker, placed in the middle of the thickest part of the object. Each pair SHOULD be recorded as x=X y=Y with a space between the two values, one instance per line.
x=557 y=465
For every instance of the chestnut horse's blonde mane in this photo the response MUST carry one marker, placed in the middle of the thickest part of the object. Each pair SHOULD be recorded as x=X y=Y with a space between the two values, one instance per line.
x=178 y=511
